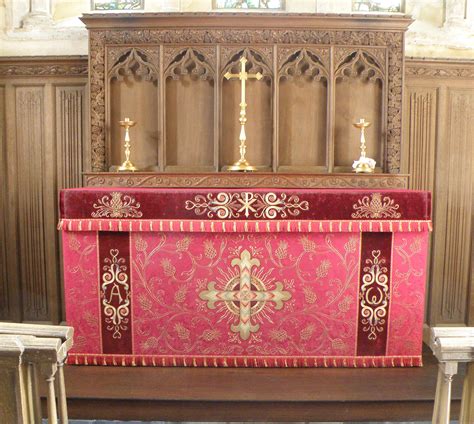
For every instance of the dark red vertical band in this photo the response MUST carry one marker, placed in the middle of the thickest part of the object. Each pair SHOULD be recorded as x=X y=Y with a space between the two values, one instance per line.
x=115 y=292
x=374 y=293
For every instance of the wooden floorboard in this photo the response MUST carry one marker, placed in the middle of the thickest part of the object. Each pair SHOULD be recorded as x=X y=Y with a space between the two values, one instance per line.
x=226 y=394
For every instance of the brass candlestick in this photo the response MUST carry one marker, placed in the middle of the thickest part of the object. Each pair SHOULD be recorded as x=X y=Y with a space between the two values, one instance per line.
x=242 y=164
x=363 y=164
x=127 y=166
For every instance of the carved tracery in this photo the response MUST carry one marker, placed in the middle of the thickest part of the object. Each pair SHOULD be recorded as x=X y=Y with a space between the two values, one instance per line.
x=360 y=64
x=224 y=38
x=304 y=63
x=256 y=63
x=190 y=62
x=134 y=62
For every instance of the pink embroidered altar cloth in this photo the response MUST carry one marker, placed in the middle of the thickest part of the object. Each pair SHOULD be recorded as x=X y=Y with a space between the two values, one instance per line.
x=245 y=278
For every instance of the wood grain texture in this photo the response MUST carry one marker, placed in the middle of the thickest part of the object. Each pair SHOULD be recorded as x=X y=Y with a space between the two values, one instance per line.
x=360 y=92
x=257 y=179
x=4 y=304
x=438 y=153
x=31 y=163
x=43 y=66
x=302 y=135
x=459 y=201
x=42 y=135
x=181 y=411
x=255 y=394
x=70 y=134
x=439 y=68
x=467 y=406
x=259 y=99
x=189 y=108
x=419 y=155
x=70 y=113
x=421 y=133
x=264 y=39
x=133 y=92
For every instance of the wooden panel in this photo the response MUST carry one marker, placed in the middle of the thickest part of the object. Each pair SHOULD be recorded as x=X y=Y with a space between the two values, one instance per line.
x=439 y=153
x=420 y=131
x=419 y=155
x=190 y=113
x=259 y=128
x=70 y=139
x=455 y=206
x=189 y=133
x=12 y=252
x=70 y=135
x=42 y=135
x=357 y=99
x=256 y=394
x=360 y=82
x=31 y=168
x=133 y=77
x=303 y=102
x=302 y=143
x=4 y=304
x=139 y=102
x=237 y=411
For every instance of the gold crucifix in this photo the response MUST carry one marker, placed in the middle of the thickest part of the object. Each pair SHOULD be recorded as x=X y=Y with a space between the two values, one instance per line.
x=242 y=164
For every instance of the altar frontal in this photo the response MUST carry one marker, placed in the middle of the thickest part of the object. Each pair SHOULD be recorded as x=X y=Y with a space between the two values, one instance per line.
x=245 y=278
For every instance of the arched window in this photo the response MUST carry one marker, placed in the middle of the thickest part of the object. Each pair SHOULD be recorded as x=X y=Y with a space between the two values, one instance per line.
x=249 y=4
x=118 y=4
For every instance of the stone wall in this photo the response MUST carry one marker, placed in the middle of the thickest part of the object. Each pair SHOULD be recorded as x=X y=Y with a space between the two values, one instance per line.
x=443 y=28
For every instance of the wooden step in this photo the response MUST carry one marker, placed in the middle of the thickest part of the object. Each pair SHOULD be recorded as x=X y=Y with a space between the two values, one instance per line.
x=229 y=394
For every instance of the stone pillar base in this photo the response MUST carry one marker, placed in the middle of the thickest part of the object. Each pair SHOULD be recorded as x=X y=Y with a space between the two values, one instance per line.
x=37 y=20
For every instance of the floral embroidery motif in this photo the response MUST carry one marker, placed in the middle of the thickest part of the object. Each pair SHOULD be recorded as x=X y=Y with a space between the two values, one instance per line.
x=374 y=295
x=376 y=207
x=115 y=294
x=245 y=296
x=232 y=205
x=116 y=206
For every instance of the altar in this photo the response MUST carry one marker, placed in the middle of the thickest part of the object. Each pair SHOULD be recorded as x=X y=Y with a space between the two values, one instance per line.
x=245 y=278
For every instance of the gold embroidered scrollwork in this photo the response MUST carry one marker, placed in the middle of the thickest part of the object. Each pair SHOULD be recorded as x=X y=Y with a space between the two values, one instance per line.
x=376 y=207
x=232 y=205
x=116 y=206
x=115 y=294
x=374 y=295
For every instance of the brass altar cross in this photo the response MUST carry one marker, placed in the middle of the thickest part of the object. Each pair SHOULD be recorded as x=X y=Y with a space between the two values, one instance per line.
x=242 y=164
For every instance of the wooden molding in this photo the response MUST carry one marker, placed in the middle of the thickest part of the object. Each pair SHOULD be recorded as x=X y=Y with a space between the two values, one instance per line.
x=442 y=68
x=216 y=20
x=268 y=180
x=43 y=66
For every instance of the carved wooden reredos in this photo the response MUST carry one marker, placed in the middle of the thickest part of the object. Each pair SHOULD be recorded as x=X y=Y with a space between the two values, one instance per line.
x=321 y=73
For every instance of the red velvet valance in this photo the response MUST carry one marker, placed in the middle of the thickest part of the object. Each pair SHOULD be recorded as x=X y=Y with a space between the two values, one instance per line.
x=151 y=206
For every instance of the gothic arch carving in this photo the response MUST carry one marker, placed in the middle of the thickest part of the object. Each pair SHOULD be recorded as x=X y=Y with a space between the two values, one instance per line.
x=359 y=63
x=136 y=62
x=190 y=62
x=225 y=38
x=303 y=63
x=256 y=63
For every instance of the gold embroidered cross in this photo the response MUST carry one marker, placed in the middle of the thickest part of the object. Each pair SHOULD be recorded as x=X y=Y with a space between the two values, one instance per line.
x=242 y=164
x=245 y=295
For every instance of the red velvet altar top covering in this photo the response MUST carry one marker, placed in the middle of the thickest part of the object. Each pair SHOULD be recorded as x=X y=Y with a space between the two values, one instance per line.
x=140 y=209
